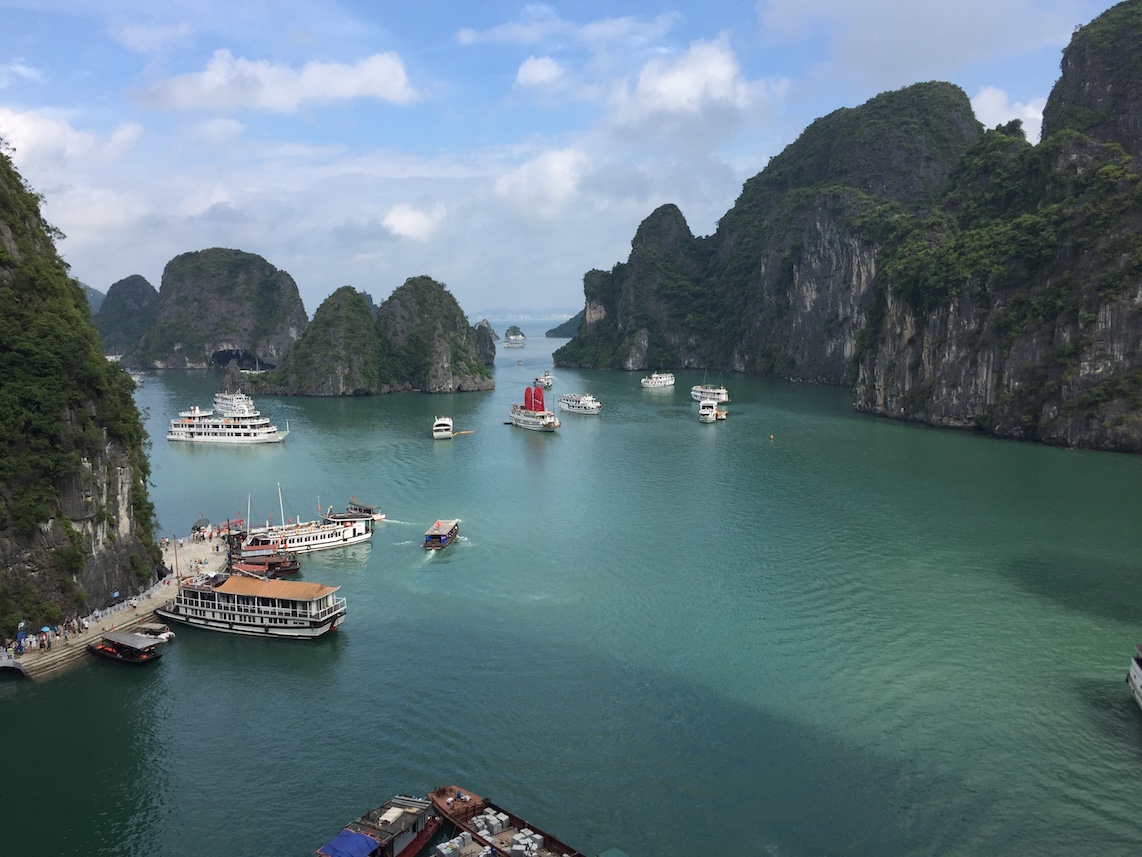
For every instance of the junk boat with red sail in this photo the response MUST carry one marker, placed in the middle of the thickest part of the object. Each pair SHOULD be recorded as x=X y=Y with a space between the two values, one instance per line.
x=532 y=414
x=400 y=827
x=486 y=829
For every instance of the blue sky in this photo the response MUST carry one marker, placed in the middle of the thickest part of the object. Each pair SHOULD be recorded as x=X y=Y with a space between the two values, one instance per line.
x=503 y=149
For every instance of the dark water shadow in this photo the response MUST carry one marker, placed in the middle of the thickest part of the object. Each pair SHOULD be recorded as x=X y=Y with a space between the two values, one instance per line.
x=1108 y=589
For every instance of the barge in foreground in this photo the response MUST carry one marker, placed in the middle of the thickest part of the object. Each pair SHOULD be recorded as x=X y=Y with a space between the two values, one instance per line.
x=400 y=827
x=493 y=827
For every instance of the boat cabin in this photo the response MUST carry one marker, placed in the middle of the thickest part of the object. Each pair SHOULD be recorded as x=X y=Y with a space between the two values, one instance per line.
x=126 y=647
x=402 y=825
x=441 y=534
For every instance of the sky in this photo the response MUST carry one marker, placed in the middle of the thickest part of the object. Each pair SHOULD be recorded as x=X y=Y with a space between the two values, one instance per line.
x=503 y=149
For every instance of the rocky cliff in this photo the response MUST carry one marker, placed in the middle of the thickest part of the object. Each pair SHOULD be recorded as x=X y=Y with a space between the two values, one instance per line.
x=486 y=342
x=129 y=309
x=220 y=305
x=427 y=342
x=339 y=355
x=952 y=276
x=75 y=519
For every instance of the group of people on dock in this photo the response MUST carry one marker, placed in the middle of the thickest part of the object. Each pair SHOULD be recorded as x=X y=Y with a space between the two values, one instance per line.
x=41 y=641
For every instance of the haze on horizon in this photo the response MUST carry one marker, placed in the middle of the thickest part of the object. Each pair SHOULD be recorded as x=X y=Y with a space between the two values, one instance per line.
x=502 y=149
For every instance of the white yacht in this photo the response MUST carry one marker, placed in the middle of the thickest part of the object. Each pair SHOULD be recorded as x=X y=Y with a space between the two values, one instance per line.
x=234 y=419
x=235 y=604
x=532 y=414
x=707 y=411
x=580 y=403
x=658 y=379
x=442 y=428
x=545 y=380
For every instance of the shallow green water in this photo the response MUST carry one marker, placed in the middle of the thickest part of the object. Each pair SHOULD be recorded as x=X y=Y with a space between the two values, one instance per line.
x=859 y=637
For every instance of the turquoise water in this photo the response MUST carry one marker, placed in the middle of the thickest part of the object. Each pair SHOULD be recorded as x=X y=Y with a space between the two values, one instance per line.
x=856 y=637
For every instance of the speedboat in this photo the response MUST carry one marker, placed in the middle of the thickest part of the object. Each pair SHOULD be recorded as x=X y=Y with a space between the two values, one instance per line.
x=442 y=428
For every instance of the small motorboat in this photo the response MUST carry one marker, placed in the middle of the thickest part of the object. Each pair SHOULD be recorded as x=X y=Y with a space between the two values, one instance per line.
x=158 y=630
x=442 y=428
x=441 y=534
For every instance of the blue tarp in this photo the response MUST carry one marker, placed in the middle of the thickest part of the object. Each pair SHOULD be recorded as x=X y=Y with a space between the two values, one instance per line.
x=349 y=844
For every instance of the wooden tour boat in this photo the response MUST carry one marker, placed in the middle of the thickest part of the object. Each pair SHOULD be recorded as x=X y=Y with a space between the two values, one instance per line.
x=127 y=647
x=491 y=827
x=441 y=534
x=400 y=827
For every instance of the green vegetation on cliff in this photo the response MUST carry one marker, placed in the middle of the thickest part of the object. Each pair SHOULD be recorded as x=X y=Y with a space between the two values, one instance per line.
x=59 y=397
x=127 y=312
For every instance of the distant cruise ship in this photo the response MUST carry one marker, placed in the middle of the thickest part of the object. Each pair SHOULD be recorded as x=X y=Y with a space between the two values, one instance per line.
x=233 y=420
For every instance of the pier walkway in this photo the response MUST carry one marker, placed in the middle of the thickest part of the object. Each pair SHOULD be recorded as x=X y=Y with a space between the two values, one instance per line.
x=192 y=558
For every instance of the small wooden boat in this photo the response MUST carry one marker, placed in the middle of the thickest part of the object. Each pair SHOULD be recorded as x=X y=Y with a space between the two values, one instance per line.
x=493 y=827
x=400 y=827
x=274 y=565
x=126 y=647
x=441 y=534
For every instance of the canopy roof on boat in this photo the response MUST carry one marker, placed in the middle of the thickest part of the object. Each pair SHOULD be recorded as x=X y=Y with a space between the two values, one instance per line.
x=347 y=843
x=296 y=590
x=130 y=640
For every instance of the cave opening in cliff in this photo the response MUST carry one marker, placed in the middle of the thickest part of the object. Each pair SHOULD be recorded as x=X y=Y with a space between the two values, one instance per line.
x=247 y=360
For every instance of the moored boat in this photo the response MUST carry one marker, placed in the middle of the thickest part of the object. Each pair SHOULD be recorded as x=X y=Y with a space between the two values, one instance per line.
x=157 y=630
x=709 y=391
x=235 y=604
x=707 y=411
x=233 y=420
x=1134 y=675
x=493 y=827
x=126 y=647
x=580 y=403
x=532 y=414
x=545 y=380
x=441 y=534
x=275 y=565
x=658 y=379
x=400 y=827
x=442 y=428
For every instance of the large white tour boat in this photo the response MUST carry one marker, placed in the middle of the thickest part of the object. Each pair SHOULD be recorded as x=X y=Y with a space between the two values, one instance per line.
x=234 y=419
x=658 y=379
x=709 y=391
x=333 y=530
x=532 y=414
x=235 y=604
x=515 y=340
x=580 y=403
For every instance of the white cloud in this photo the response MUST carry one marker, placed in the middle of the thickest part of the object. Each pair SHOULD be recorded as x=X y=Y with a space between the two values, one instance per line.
x=230 y=83
x=993 y=107
x=47 y=141
x=150 y=38
x=17 y=71
x=543 y=186
x=538 y=72
x=407 y=221
x=540 y=23
x=219 y=130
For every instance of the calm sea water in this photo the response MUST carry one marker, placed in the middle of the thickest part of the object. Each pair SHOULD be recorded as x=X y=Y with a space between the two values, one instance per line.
x=802 y=631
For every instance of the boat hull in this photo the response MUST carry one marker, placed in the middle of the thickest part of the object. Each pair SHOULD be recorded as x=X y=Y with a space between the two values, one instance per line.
x=1134 y=677
x=195 y=437
x=308 y=631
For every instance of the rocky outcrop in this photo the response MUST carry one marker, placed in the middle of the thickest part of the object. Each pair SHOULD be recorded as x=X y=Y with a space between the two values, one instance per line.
x=126 y=313
x=951 y=276
x=339 y=355
x=569 y=328
x=486 y=342
x=217 y=305
x=427 y=342
x=76 y=523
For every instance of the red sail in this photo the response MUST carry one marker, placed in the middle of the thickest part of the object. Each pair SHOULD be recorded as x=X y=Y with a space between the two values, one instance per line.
x=527 y=399
x=537 y=398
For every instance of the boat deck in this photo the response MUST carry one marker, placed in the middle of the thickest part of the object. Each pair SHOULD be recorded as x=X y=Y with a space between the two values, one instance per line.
x=449 y=800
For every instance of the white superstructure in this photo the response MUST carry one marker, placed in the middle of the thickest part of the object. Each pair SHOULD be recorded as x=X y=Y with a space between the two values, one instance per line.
x=262 y=608
x=532 y=414
x=707 y=411
x=659 y=379
x=580 y=403
x=545 y=380
x=442 y=428
x=709 y=391
x=234 y=419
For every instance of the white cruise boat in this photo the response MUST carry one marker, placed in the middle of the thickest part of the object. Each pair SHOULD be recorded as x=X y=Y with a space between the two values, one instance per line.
x=580 y=403
x=442 y=428
x=236 y=604
x=1134 y=676
x=658 y=379
x=700 y=392
x=515 y=340
x=332 y=531
x=532 y=414
x=707 y=411
x=234 y=419
x=545 y=380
